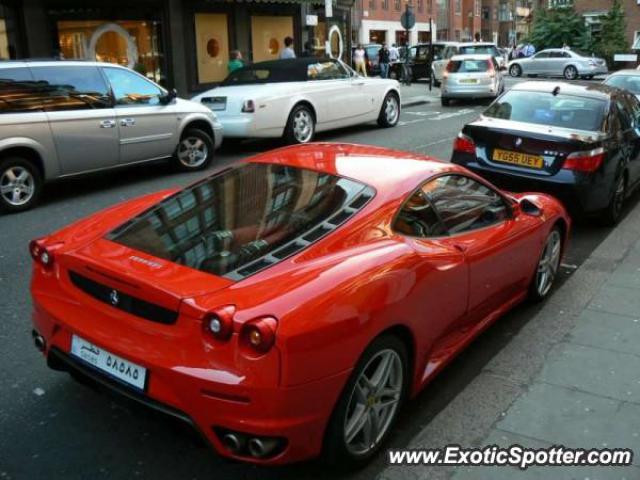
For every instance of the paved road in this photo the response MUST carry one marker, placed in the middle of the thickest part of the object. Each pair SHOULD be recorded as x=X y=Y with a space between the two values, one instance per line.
x=54 y=428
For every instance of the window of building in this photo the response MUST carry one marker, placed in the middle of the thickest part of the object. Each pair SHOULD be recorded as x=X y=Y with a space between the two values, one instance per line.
x=504 y=14
x=477 y=6
x=636 y=40
x=396 y=5
x=372 y=4
x=457 y=35
x=486 y=13
x=8 y=33
x=458 y=7
x=429 y=6
x=385 y=4
x=420 y=6
x=377 y=36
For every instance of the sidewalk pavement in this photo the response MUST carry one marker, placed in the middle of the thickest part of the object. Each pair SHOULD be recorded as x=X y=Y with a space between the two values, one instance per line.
x=570 y=377
x=418 y=94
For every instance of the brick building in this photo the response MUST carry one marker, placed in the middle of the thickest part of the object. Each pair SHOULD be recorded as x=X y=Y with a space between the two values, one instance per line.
x=380 y=21
x=594 y=10
x=506 y=21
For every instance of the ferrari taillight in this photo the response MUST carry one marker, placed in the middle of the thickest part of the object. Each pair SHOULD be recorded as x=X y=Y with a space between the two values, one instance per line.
x=258 y=335
x=588 y=161
x=43 y=254
x=219 y=322
x=465 y=144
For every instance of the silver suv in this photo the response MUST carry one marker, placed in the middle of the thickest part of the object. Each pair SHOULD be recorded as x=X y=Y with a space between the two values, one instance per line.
x=59 y=119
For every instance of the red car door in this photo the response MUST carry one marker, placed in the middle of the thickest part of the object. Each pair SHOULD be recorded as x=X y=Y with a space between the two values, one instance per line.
x=501 y=251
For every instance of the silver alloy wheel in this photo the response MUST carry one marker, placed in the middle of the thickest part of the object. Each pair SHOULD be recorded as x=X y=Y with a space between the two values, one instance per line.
x=192 y=152
x=391 y=110
x=373 y=402
x=17 y=186
x=302 y=126
x=515 y=71
x=549 y=263
x=570 y=73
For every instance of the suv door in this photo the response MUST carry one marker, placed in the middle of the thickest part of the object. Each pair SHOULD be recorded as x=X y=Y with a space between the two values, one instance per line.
x=148 y=128
x=81 y=117
x=499 y=250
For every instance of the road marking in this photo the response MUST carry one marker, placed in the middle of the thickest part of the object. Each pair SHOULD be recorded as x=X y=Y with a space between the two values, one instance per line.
x=422 y=114
x=444 y=116
x=435 y=143
x=409 y=122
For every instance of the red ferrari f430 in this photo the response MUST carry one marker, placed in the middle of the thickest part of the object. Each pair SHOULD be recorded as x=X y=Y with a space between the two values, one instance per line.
x=288 y=305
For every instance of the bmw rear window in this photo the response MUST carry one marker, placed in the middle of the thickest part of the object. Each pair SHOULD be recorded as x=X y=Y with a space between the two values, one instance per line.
x=245 y=219
x=567 y=111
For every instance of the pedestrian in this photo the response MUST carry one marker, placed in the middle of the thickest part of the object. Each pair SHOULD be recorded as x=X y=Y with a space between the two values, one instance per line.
x=383 y=61
x=394 y=53
x=476 y=37
x=308 y=49
x=529 y=50
x=235 y=61
x=287 y=51
x=360 y=60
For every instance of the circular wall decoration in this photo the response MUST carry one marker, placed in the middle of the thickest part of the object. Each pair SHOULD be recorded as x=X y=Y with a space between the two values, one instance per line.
x=213 y=48
x=132 y=49
x=336 y=46
x=274 y=46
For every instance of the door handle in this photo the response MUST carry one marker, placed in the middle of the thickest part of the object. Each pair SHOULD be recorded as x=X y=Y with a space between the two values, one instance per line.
x=128 y=122
x=107 y=123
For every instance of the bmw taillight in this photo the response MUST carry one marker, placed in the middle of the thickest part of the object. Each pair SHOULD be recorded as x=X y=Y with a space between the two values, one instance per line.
x=219 y=323
x=586 y=161
x=465 y=144
x=258 y=335
x=43 y=254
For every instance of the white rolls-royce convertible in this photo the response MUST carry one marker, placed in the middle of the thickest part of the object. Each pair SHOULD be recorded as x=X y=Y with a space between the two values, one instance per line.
x=296 y=98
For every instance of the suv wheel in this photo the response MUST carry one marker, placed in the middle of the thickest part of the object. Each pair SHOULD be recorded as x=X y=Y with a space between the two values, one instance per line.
x=195 y=150
x=20 y=184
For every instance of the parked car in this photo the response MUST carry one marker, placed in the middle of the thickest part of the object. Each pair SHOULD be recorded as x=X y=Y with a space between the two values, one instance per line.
x=577 y=141
x=59 y=119
x=296 y=98
x=465 y=48
x=290 y=304
x=628 y=80
x=471 y=76
x=421 y=62
x=558 y=62
x=371 y=52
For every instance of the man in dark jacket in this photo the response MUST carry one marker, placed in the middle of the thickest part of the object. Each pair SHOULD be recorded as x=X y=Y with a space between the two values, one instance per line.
x=383 y=61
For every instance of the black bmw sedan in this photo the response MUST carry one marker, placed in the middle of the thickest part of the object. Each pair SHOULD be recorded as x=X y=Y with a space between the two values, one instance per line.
x=577 y=141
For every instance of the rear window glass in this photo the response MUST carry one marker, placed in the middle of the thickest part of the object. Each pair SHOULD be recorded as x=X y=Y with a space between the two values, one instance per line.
x=244 y=219
x=627 y=82
x=567 y=111
x=468 y=66
x=479 y=50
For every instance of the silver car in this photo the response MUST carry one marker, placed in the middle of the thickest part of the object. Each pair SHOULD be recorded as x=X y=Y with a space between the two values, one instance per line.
x=451 y=49
x=626 y=79
x=60 y=119
x=558 y=62
x=471 y=76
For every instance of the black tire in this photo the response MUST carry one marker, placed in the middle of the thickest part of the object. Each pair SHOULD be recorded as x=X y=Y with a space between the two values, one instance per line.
x=536 y=294
x=30 y=186
x=570 y=72
x=301 y=113
x=515 y=70
x=389 y=119
x=444 y=101
x=335 y=451
x=610 y=216
x=588 y=77
x=194 y=152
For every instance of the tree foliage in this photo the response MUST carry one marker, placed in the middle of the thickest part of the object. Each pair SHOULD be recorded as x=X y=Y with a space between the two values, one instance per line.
x=612 y=39
x=557 y=27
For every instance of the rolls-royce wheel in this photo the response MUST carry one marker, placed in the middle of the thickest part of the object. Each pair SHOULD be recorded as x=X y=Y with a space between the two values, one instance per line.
x=20 y=184
x=195 y=150
x=369 y=403
x=548 y=265
x=301 y=125
x=390 y=111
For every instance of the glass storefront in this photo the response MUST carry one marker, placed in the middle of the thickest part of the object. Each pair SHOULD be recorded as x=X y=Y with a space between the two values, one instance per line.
x=131 y=43
x=267 y=35
x=329 y=37
x=377 y=36
x=8 y=33
x=212 y=46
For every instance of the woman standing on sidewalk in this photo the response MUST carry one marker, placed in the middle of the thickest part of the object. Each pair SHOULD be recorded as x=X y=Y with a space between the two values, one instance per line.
x=360 y=60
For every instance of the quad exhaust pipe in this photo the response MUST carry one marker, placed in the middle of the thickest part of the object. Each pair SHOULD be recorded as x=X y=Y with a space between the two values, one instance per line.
x=257 y=447
x=233 y=442
x=262 y=447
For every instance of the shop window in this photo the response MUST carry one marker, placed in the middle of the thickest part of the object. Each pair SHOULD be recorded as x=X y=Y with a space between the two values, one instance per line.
x=377 y=36
x=131 y=89
x=7 y=33
x=212 y=46
x=268 y=34
x=131 y=43
x=424 y=37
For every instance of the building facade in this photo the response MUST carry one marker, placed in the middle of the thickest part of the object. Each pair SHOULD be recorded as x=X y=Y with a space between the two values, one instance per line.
x=380 y=21
x=594 y=10
x=506 y=22
x=178 y=43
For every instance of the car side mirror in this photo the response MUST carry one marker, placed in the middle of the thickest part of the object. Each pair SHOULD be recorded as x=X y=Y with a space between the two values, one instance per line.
x=169 y=97
x=530 y=208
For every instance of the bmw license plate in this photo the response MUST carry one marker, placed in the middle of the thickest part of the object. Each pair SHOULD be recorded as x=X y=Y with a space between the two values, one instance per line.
x=518 y=158
x=112 y=365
